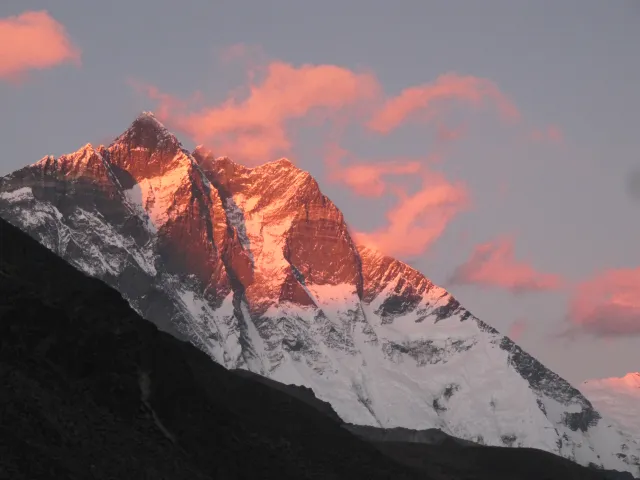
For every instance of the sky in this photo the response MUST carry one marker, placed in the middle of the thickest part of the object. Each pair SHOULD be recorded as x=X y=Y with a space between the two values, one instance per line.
x=492 y=145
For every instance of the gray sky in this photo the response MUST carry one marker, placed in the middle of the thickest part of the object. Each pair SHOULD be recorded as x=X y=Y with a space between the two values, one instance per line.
x=560 y=185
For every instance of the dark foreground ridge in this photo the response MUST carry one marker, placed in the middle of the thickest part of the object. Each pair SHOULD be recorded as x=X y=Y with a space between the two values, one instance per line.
x=92 y=391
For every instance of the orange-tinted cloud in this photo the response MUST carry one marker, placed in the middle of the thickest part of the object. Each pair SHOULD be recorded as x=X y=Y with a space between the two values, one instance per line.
x=33 y=41
x=494 y=264
x=254 y=129
x=425 y=102
x=255 y=124
x=419 y=219
x=551 y=134
x=608 y=304
x=366 y=178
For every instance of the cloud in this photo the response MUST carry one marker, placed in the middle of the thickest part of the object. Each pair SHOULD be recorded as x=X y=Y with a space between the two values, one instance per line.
x=254 y=129
x=550 y=134
x=258 y=123
x=33 y=41
x=493 y=264
x=517 y=329
x=608 y=304
x=418 y=219
x=425 y=102
x=366 y=178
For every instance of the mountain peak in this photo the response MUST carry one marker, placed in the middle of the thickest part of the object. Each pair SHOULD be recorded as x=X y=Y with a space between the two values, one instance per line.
x=257 y=268
x=149 y=133
x=281 y=162
x=87 y=161
x=204 y=154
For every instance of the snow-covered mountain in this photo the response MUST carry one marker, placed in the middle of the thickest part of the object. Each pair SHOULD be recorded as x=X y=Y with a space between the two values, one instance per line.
x=618 y=399
x=257 y=268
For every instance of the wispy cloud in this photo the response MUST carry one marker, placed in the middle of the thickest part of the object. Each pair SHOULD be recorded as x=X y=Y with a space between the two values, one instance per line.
x=493 y=264
x=426 y=102
x=608 y=304
x=258 y=122
x=254 y=129
x=418 y=218
x=366 y=177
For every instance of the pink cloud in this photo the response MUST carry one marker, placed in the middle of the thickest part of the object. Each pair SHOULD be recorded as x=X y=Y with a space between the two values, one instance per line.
x=255 y=124
x=418 y=219
x=517 y=329
x=33 y=41
x=366 y=178
x=254 y=129
x=608 y=304
x=424 y=102
x=493 y=264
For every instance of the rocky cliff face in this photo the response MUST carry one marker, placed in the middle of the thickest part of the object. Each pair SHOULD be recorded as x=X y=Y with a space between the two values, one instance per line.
x=256 y=267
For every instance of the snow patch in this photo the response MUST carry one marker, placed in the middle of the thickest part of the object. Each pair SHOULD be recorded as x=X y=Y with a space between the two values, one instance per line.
x=18 y=195
x=158 y=194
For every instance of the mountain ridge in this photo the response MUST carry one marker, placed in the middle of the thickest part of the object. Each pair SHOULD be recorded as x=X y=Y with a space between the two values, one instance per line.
x=259 y=271
x=94 y=391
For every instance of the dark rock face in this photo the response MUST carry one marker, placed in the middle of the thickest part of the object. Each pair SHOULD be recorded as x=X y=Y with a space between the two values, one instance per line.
x=544 y=380
x=146 y=149
x=319 y=234
x=193 y=240
x=380 y=272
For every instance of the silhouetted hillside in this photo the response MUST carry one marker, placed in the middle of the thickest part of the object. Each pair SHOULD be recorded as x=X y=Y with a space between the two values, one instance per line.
x=92 y=391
